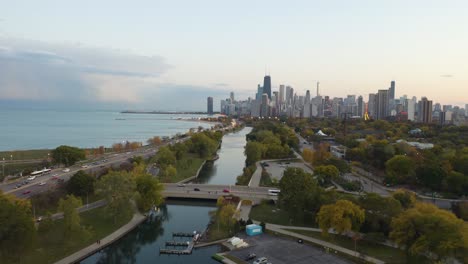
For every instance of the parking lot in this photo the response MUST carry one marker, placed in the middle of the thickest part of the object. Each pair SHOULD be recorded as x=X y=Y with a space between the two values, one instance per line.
x=279 y=250
x=276 y=169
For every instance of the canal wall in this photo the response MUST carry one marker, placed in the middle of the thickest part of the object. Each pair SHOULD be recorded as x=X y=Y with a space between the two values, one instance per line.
x=95 y=247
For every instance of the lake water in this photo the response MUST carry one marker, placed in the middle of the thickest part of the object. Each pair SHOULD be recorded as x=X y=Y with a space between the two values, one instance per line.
x=142 y=244
x=38 y=129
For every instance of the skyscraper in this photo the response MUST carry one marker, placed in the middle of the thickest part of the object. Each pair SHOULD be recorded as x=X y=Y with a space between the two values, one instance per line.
x=264 y=110
x=267 y=85
x=360 y=107
x=382 y=104
x=425 y=110
x=372 y=106
x=232 y=97
x=210 y=105
x=281 y=94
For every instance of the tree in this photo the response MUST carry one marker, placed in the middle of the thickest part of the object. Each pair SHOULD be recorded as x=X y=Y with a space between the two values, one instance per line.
x=168 y=173
x=431 y=175
x=81 y=184
x=400 y=169
x=17 y=232
x=226 y=217
x=460 y=209
x=379 y=212
x=150 y=192
x=321 y=154
x=406 y=198
x=254 y=152
x=165 y=157
x=203 y=145
x=343 y=216
x=71 y=218
x=67 y=155
x=456 y=183
x=325 y=174
x=117 y=188
x=298 y=191
x=308 y=155
x=179 y=149
x=155 y=141
x=426 y=228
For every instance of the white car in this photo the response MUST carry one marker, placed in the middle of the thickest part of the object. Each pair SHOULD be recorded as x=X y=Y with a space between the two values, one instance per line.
x=42 y=183
x=30 y=178
x=84 y=166
x=261 y=260
x=66 y=170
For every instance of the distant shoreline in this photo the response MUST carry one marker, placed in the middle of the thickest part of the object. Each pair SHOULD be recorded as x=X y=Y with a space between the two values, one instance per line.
x=164 y=112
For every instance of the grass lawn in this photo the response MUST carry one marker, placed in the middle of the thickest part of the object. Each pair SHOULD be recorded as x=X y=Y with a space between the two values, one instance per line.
x=187 y=167
x=385 y=253
x=53 y=246
x=234 y=259
x=26 y=154
x=272 y=214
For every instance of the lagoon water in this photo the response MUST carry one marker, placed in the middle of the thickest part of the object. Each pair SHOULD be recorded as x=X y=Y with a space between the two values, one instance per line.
x=38 y=129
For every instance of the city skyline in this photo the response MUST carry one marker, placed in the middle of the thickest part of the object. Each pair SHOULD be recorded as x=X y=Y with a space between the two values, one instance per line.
x=154 y=54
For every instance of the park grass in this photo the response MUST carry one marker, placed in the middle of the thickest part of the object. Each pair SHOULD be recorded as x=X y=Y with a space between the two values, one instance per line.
x=26 y=154
x=186 y=167
x=266 y=212
x=382 y=252
x=53 y=246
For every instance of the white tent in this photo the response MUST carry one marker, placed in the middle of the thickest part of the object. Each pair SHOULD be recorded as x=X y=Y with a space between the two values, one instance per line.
x=320 y=133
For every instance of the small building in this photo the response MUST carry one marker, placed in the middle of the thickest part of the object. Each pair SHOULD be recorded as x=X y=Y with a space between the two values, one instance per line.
x=253 y=230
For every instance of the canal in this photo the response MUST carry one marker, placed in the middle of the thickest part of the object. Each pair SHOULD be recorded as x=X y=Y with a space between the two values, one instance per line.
x=230 y=163
x=142 y=244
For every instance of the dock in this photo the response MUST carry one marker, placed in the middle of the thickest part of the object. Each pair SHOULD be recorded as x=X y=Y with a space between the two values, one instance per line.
x=188 y=244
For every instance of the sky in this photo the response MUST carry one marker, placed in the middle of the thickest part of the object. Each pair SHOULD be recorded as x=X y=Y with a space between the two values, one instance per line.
x=171 y=55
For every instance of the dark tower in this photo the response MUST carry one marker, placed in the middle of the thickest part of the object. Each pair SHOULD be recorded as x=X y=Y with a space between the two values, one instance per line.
x=210 y=105
x=267 y=85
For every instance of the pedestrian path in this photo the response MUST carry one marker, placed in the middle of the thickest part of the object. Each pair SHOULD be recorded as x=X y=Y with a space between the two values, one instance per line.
x=91 y=249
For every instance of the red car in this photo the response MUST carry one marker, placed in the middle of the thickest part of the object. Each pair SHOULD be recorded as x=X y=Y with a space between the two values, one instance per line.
x=27 y=192
x=54 y=177
x=226 y=191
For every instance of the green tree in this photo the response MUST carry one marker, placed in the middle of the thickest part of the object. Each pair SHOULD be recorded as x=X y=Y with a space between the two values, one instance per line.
x=165 y=157
x=426 y=228
x=17 y=232
x=456 y=183
x=203 y=145
x=71 y=218
x=406 y=198
x=150 y=192
x=298 y=191
x=254 y=152
x=68 y=155
x=179 y=149
x=379 y=212
x=81 y=184
x=343 y=216
x=325 y=174
x=400 y=169
x=431 y=175
x=117 y=188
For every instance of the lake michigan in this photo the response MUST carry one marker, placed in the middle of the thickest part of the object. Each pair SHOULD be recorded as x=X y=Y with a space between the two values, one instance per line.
x=39 y=129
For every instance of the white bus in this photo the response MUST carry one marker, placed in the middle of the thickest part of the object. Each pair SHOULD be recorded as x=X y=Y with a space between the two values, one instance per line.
x=273 y=192
x=40 y=172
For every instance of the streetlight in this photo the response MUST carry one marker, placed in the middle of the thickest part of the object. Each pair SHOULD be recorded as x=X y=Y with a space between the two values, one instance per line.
x=3 y=168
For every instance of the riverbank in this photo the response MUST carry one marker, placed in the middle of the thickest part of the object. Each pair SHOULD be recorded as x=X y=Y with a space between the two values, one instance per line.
x=104 y=242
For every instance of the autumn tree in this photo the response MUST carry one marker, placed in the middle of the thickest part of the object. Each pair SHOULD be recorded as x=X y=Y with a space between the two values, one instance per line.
x=342 y=216
x=427 y=229
x=203 y=145
x=117 y=147
x=325 y=174
x=308 y=155
x=406 y=198
x=155 y=141
x=321 y=154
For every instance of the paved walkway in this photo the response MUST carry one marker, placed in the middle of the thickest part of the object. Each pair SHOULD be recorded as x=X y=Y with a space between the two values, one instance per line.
x=278 y=229
x=85 y=252
x=257 y=176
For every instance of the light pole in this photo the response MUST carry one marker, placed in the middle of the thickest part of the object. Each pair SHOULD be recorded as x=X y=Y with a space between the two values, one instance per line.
x=3 y=168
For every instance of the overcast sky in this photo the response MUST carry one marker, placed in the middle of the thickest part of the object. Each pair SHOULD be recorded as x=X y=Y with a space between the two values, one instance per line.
x=171 y=55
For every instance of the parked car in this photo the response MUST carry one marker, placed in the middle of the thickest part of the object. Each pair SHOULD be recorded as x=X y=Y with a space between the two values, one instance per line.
x=39 y=219
x=66 y=170
x=42 y=183
x=196 y=189
x=27 y=192
x=261 y=260
x=30 y=178
x=250 y=256
x=226 y=191
x=180 y=185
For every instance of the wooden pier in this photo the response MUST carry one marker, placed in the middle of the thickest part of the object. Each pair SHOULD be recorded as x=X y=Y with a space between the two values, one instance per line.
x=188 y=244
x=186 y=251
x=177 y=243
x=182 y=234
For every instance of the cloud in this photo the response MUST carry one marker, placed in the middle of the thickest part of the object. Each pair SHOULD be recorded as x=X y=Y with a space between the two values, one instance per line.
x=32 y=70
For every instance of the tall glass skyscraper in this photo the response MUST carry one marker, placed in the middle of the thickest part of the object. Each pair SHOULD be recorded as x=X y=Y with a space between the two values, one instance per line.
x=267 y=86
x=210 y=105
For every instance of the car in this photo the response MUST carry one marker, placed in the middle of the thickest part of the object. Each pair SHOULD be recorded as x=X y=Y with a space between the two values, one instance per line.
x=30 y=178
x=180 y=185
x=27 y=192
x=39 y=219
x=196 y=189
x=287 y=163
x=266 y=164
x=18 y=185
x=261 y=260
x=226 y=191
x=300 y=241
x=42 y=183
x=55 y=177
x=84 y=166
x=66 y=170
x=250 y=256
